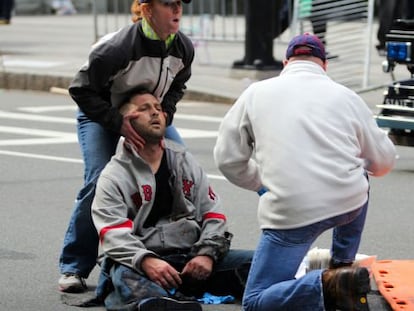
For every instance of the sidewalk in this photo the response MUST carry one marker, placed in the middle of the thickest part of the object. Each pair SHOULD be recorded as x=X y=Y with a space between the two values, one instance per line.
x=39 y=52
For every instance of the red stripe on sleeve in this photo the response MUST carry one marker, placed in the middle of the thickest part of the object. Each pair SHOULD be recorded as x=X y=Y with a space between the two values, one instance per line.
x=214 y=215
x=127 y=224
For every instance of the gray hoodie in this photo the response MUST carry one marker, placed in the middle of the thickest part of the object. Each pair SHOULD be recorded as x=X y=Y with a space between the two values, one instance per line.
x=125 y=195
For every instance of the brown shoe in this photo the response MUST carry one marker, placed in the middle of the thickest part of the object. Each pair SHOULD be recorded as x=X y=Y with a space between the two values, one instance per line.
x=346 y=289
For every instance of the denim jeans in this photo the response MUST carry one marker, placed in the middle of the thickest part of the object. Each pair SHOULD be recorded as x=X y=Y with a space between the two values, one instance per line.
x=271 y=284
x=80 y=245
x=127 y=287
x=172 y=133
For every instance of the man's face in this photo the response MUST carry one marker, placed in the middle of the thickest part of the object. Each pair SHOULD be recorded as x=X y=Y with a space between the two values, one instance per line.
x=151 y=122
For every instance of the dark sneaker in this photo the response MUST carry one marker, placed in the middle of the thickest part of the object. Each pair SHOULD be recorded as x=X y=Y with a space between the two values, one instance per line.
x=346 y=289
x=168 y=304
x=334 y=265
x=71 y=283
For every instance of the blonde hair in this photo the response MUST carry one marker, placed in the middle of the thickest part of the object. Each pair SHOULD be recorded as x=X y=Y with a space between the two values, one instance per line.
x=136 y=11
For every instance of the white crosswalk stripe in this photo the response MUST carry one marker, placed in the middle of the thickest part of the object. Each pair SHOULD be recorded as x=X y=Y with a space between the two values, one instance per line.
x=63 y=137
x=30 y=136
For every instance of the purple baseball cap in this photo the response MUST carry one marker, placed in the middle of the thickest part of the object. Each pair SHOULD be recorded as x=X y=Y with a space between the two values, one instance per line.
x=314 y=44
x=164 y=1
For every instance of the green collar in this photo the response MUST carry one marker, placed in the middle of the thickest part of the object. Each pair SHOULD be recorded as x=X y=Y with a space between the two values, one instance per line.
x=150 y=33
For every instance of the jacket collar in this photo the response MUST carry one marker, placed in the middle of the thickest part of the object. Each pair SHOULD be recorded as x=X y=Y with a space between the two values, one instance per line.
x=298 y=66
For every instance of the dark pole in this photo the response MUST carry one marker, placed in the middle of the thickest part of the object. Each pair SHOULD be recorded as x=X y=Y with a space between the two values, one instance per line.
x=262 y=18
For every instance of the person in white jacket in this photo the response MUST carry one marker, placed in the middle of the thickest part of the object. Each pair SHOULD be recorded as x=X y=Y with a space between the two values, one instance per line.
x=162 y=227
x=307 y=144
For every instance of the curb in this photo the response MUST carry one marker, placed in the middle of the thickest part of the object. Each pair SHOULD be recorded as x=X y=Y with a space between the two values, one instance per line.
x=32 y=81
x=45 y=82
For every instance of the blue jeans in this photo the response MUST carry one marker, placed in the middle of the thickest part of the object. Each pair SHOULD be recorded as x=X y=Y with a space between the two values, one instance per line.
x=172 y=133
x=271 y=284
x=123 y=288
x=80 y=245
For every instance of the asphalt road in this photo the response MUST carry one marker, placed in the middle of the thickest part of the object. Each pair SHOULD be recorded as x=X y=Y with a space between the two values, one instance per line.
x=41 y=172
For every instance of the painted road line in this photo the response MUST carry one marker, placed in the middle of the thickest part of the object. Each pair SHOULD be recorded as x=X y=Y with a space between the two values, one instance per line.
x=31 y=117
x=42 y=109
x=57 y=137
x=33 y=132
x=190 y=117
x=40 y=156
x=69 y=160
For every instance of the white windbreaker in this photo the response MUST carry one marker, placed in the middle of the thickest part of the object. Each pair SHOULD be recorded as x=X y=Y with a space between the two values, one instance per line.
x=125 y=195
x=306 y=138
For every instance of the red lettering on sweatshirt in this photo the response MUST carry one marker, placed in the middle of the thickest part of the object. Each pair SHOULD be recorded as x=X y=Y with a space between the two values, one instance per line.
x=136 y=198
x=187 y=185
x=147 y=191
x=211 y=194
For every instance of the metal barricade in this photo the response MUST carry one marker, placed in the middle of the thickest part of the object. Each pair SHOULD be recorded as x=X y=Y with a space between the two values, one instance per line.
x=110 y=15
x=349 y=27
x=346 y=28
x=213 y=20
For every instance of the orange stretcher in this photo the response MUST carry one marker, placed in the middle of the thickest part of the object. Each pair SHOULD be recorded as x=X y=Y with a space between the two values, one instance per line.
x=395 y=281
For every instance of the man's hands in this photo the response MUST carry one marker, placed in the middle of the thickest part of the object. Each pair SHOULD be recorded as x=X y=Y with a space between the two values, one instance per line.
x=161 y=272
x=128 y=131
x=199 y=268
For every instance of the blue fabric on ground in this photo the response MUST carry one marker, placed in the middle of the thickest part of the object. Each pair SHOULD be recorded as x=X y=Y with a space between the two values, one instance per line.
x=210 y=299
